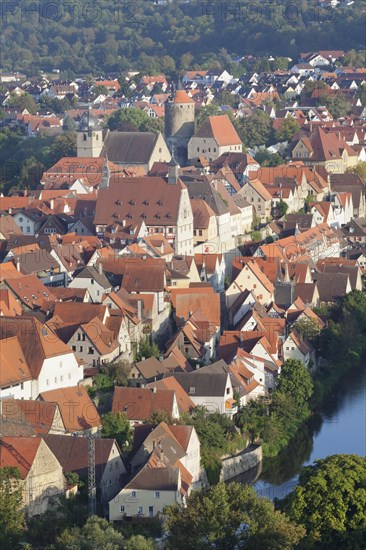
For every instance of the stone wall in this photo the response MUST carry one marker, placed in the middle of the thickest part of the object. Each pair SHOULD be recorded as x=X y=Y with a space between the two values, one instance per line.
x=235 y=465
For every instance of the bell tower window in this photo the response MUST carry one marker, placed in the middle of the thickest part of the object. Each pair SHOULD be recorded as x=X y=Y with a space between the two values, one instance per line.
x=84 y=137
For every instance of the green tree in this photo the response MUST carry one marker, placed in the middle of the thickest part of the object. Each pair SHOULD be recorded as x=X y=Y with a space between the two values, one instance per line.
x=100 y=90
x=230 y=516
x=117 y=426
x=118 y=372
x=265 y=158
x=97 y=533
x=256 y=129
x=252 y=419
x=147 y=349
x=295 y=380
x=337 y=105
x=311 y=85
x=160 y=416
x=280 y=64
x=288 y=128
x=131 y=119
x=24 y=101
x=281 y=208
x=362 y=94
x=330 y=502
x=355 y=58
x=68 y=124
x=12 y=522
x=64 y=145
x=138 y=542
x=307 y=328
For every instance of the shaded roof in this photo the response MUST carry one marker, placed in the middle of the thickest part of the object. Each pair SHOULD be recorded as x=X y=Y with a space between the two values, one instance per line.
x=38 y=414
x=77 y=410
x=72 y=452
x=161 y=478
x=332 y=286
x=149 y=199
x=129 y=147
x=202 y=213
x=140 y=403
x=203 y=382
x=91 y=272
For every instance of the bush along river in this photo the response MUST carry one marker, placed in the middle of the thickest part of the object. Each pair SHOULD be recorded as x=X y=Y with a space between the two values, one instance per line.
x=339 y=427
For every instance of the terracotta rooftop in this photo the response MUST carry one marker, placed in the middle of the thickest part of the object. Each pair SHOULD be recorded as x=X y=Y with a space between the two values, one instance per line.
x=221 y=129
x=78 y=411
x=140 y=403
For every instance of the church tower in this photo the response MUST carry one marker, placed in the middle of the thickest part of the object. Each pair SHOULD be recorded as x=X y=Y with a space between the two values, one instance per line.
x=179 y=123
x=89 y=136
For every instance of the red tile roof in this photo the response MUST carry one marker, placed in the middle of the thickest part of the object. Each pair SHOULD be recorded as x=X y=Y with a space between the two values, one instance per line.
x=140 y=403
x=78 y=411
x=221 y=129
x=19 y=452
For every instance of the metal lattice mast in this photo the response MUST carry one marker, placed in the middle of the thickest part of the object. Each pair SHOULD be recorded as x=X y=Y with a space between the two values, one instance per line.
x=91 y=476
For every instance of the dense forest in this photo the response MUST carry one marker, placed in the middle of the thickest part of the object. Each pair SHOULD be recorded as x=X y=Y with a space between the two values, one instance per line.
x=108 y=36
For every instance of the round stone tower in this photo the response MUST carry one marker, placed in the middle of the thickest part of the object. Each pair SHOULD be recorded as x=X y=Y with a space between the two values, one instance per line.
x=179 y=123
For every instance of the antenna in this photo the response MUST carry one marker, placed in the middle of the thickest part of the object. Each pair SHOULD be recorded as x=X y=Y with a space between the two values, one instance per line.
x=91 y=476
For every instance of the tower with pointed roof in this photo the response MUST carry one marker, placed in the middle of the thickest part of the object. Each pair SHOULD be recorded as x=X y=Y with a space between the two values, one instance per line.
x=89 y=136
x=179 y=112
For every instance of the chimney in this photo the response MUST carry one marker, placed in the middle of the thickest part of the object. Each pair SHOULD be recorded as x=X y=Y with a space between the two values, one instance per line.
x=153 y=389
x=18 y=264
x=139 y=309
x=52 y=204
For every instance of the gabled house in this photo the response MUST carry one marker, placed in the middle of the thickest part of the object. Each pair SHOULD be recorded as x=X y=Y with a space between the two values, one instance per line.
x=30 y=220
x=216 y=136
x=183 y=439
x=93 y=332
x=140 y=403
x=163 y=205
x=94 y=280
x=45 y=418
x=41 y=473
x=210 y=387
x=78 y=412
x=50 y=363
x=259 y=197
x=324 y=149
x=253 y=279
x=298 y=349
x=72 y=454
x=161 y=482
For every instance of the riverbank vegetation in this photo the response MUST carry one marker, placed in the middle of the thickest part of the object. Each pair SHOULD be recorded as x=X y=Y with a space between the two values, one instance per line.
x=340 y=346
x=230 y=516
x=330 y=503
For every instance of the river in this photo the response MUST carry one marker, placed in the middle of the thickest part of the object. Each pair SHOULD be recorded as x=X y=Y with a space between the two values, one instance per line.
x=340 y=428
